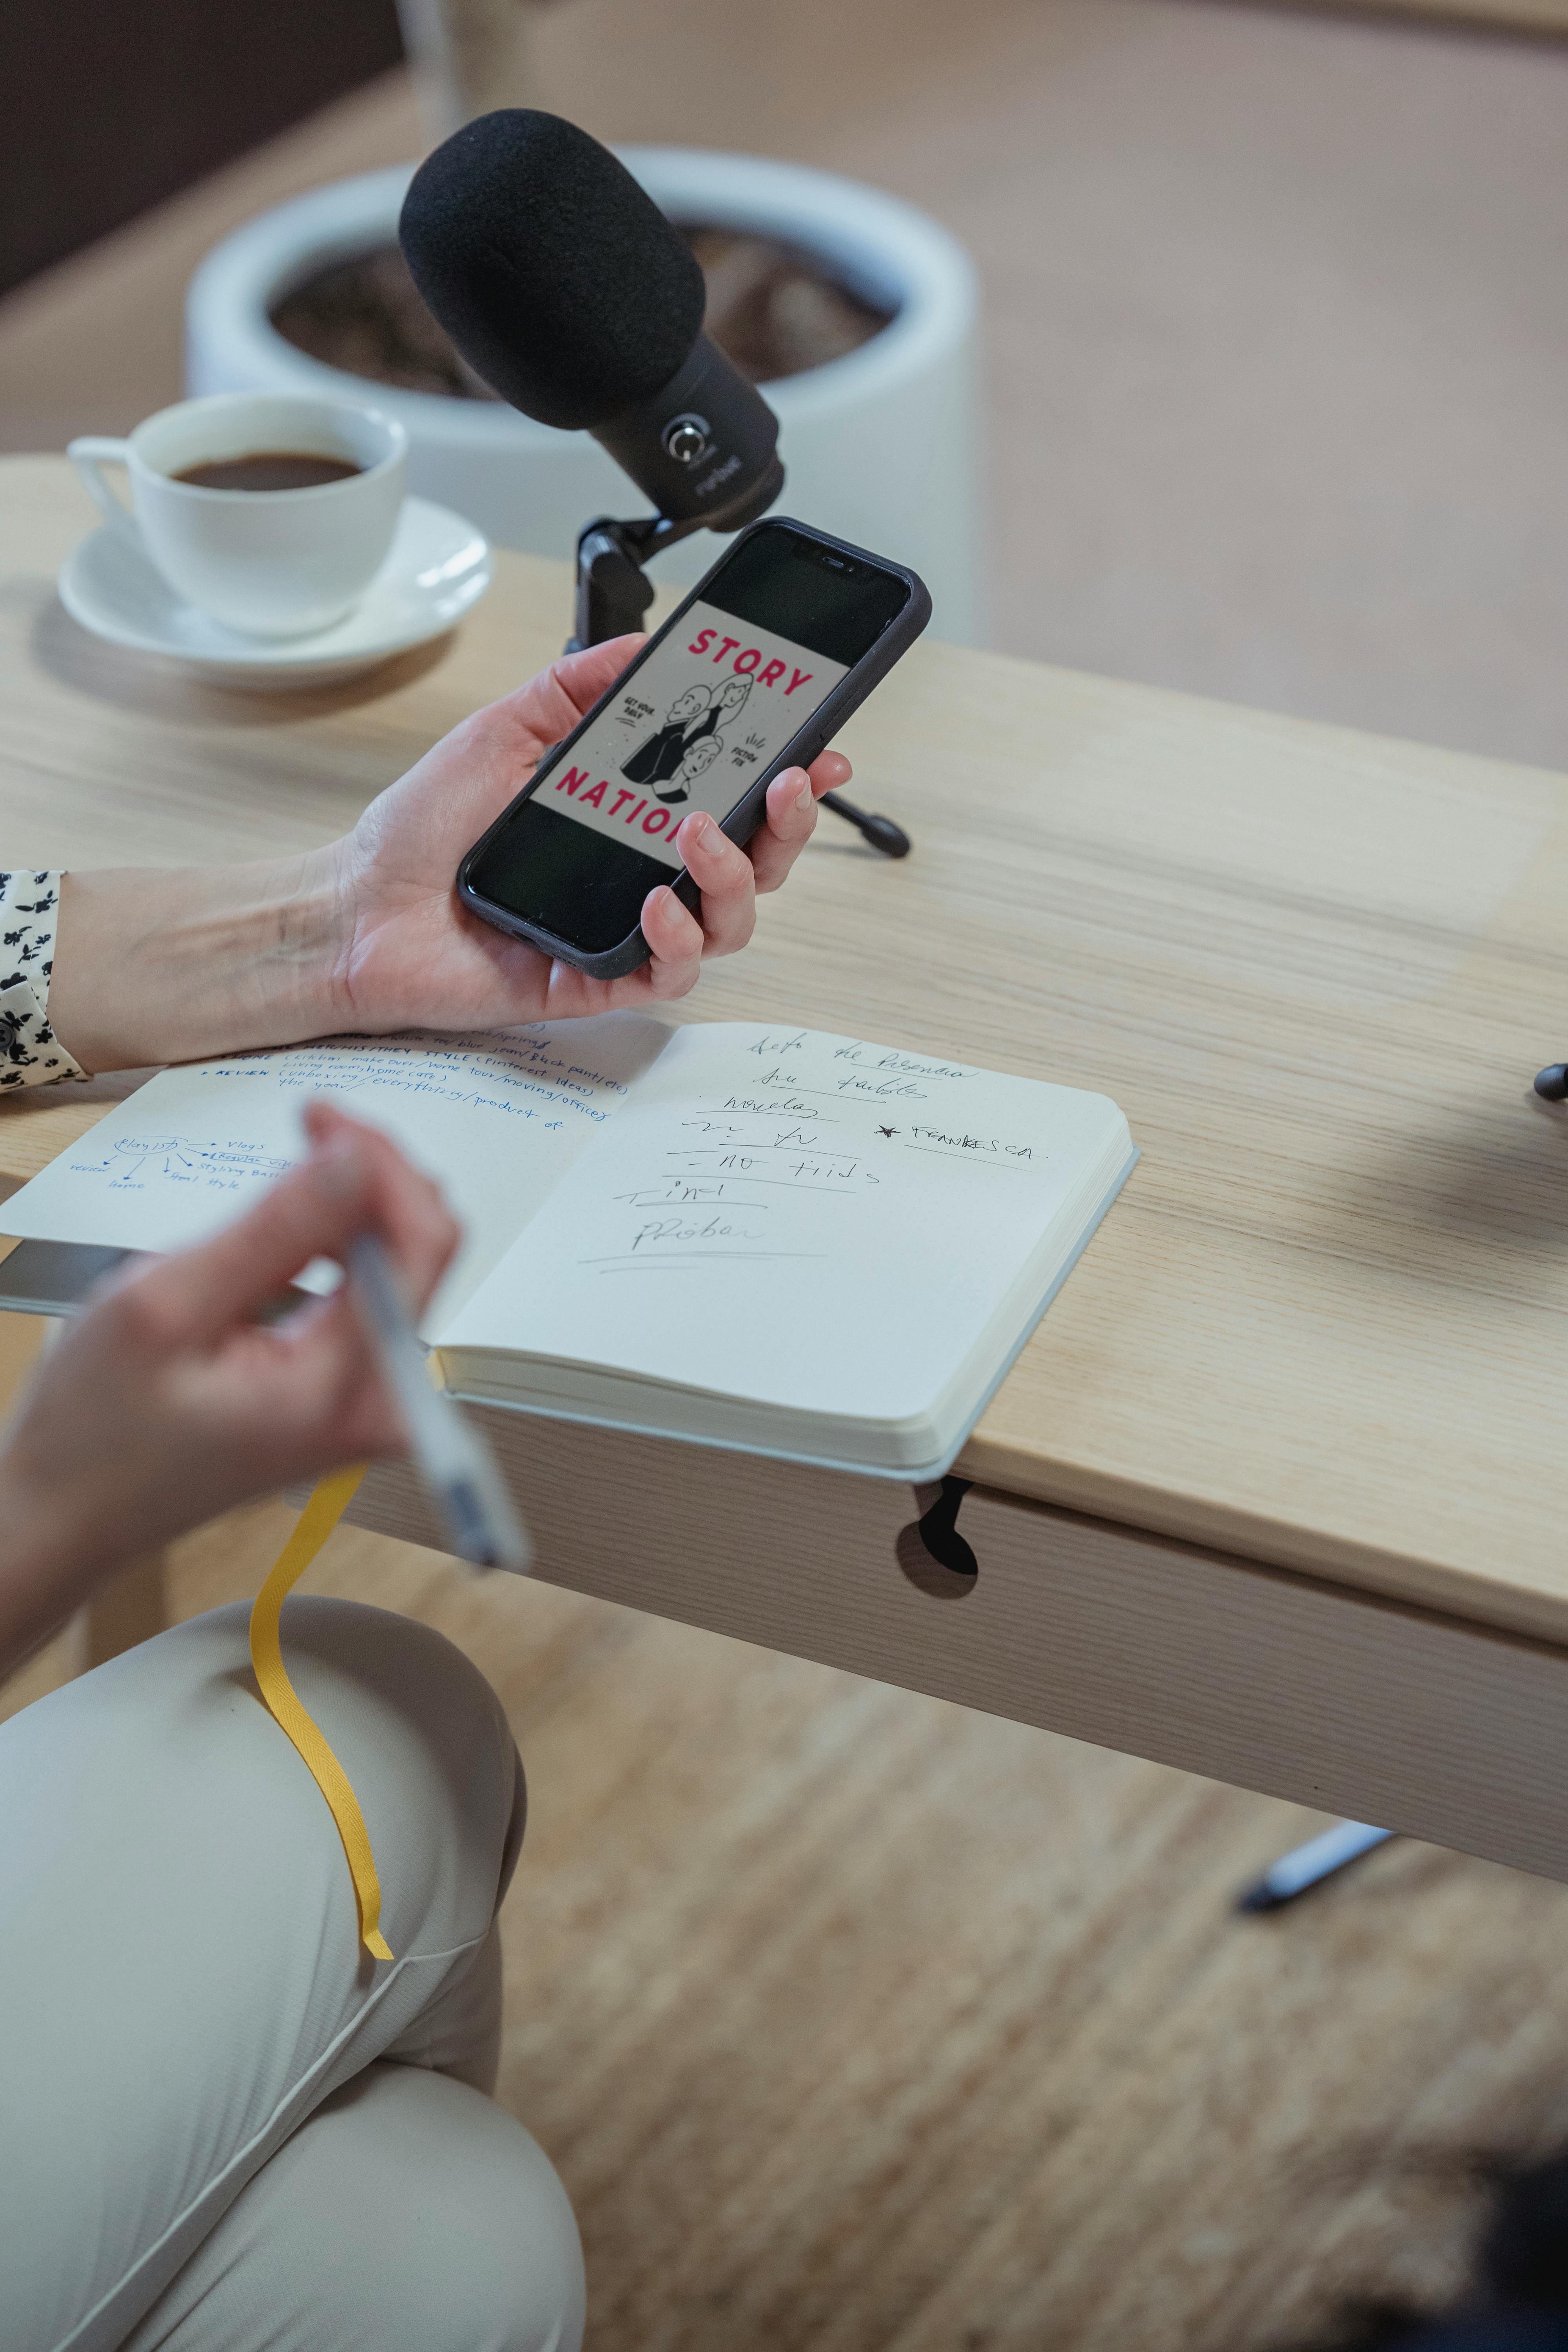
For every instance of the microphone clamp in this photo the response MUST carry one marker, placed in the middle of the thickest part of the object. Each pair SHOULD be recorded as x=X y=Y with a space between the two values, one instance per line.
x=613 y=591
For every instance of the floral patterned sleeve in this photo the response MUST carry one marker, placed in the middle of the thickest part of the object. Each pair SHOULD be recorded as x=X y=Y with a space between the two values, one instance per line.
x=30 y=1055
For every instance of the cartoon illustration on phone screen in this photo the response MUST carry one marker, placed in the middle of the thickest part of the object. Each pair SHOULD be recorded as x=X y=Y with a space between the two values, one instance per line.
x=692 y=720
x=732 y=698
x=697 y=763
x=689 y=743
x=669 y=742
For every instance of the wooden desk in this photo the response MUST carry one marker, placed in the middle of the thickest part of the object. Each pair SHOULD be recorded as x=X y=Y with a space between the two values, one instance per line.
x=1273 y=1492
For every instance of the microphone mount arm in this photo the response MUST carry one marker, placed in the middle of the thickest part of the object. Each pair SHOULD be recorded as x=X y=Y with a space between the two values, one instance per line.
x=613 y=596
x=613 y=591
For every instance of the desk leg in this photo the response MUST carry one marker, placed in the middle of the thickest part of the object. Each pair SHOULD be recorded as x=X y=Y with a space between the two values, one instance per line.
x=131 y=1608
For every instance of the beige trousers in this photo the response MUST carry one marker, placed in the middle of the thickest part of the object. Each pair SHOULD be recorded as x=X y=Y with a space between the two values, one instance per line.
x=223 y=2128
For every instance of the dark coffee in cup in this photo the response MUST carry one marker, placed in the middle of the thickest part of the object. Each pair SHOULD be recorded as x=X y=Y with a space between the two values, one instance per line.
x=268 y=469
x=282 y=565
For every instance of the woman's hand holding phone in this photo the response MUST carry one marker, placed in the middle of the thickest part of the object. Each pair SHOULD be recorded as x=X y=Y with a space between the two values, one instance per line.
x=753 y=675
x=171 y=964
x=414 y=956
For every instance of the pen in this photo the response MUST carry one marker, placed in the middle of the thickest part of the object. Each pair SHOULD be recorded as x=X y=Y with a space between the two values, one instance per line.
x=455 y=1464
x=1308 y=1866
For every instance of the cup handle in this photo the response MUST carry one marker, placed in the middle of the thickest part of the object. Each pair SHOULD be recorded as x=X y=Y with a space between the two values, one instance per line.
x=88 y=454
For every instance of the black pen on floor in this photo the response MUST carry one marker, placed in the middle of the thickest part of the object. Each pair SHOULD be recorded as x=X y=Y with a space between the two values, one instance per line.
x=1306 y=1866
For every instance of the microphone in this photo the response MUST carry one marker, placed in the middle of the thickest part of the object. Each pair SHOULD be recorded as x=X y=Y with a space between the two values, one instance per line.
x=571 y=295
x=568 y=291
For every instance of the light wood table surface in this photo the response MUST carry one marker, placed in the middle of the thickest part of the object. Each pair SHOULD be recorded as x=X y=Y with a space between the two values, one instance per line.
x=1273 y=1492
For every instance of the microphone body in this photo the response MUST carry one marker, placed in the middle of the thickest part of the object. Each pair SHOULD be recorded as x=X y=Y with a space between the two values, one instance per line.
x=568 y=291
x=704 y=448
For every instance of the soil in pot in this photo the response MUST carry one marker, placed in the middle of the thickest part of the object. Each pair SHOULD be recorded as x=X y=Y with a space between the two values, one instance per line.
x=774 y=309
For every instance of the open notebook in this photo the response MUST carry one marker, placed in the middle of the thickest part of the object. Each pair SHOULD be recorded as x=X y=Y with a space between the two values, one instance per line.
x=766 y=1238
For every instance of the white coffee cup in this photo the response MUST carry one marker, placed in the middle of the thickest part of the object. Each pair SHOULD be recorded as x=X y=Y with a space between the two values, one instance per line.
x=269 y=563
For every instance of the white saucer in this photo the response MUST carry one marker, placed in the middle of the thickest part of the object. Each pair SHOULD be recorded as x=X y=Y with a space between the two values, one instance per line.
x=437 y=568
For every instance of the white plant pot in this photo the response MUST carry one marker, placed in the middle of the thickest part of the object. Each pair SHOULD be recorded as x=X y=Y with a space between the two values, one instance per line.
x=881 y=447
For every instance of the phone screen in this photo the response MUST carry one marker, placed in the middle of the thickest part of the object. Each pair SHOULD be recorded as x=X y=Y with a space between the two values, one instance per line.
x=706 y=707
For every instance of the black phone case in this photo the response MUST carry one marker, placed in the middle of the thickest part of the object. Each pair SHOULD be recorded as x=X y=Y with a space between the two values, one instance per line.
x=743 y=819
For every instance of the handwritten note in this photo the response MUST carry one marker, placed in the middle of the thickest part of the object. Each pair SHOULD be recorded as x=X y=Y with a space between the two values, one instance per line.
x=799 y=1218
x=498 y=1118
x=753 y=1215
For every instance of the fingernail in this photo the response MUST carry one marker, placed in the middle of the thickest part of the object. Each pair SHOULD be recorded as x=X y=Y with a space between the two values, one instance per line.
x=804 y=797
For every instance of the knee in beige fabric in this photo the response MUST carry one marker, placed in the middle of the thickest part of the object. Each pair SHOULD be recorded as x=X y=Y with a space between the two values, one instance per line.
x=184 y=1983
x=408 y=2215
x=439 y=1757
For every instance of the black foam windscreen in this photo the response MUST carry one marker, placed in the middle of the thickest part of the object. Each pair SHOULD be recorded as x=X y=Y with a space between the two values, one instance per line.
x=558 y=278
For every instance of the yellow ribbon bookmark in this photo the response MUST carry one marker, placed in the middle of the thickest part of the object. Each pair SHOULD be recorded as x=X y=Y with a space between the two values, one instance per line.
x=316 y=1522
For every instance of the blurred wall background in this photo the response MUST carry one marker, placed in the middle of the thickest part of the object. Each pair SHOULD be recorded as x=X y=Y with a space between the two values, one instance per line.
x=107 y=109
x=1276 y=311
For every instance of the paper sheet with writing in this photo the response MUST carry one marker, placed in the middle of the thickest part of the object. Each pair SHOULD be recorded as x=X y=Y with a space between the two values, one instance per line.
x=498 y=1119
x=781 y=1214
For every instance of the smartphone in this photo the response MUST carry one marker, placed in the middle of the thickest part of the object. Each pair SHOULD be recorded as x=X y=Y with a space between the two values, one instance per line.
x=755 y=673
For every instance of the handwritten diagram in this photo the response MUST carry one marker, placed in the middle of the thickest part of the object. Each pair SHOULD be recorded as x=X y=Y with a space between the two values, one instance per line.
x=159 y=1159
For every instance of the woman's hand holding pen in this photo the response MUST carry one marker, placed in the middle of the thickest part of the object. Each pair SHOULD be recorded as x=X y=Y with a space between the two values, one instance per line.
x=167 y=1401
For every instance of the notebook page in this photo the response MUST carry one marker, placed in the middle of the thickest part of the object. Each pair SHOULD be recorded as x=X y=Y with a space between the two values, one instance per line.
x=496 y=1118
x=809 y=1220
